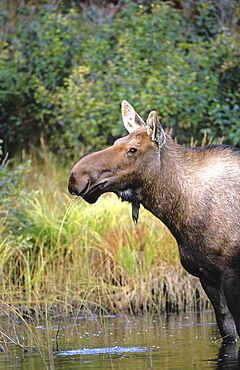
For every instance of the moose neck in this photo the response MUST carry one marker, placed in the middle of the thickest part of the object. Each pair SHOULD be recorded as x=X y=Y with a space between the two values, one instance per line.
x=168 y=191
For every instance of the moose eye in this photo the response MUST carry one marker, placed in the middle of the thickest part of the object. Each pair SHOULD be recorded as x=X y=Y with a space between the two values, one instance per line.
x=132 y=150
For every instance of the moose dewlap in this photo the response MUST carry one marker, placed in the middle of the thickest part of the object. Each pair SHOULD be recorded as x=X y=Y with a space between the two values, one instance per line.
x=194 y=191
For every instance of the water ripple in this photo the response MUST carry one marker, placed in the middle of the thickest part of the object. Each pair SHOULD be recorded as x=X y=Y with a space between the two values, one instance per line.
x=96 y=351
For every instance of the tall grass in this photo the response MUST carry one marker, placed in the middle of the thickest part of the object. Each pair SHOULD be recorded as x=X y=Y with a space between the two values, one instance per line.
x=59 y=254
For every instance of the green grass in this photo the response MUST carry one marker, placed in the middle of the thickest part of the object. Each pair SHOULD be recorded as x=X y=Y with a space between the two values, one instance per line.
x=60 y=254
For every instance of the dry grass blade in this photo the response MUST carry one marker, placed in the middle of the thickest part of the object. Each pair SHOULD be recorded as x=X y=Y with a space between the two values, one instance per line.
x=13 y=341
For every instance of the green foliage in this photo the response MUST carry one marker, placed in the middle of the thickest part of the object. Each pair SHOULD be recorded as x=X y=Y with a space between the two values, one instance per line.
x=36 y=55
x=15 y=241
x=152 y=61
x=14 y=198
x=63 y=75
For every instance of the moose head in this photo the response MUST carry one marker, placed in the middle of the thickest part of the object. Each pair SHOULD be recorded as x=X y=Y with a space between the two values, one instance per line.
x=121 y=167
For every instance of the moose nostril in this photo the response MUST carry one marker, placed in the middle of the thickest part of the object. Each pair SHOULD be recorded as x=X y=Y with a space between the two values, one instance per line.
x=78 y=185
x=72 y=185
x=71 y=191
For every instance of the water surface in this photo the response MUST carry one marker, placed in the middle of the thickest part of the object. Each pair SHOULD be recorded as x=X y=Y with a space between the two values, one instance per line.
x=185 y=341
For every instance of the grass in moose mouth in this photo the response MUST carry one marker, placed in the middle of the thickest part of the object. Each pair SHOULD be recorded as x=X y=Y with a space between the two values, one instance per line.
x=67 y=255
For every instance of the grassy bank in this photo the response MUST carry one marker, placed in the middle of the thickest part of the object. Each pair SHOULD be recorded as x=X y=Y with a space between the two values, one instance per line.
x=59 y=254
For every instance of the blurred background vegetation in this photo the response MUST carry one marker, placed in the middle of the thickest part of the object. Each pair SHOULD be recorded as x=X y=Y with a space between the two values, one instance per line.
x=66 y=65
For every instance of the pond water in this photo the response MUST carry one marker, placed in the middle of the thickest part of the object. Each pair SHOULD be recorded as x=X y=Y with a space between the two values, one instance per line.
x=174 y=341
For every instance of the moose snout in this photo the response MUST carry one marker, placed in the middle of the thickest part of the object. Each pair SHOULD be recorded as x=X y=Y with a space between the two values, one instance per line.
x=72 y=185
x=78 y=186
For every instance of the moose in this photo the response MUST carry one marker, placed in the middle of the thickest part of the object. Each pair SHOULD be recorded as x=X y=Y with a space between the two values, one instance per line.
x=195 y=192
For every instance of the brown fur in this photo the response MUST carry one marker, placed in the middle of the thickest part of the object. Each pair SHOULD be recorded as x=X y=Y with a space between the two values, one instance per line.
x=194 y=191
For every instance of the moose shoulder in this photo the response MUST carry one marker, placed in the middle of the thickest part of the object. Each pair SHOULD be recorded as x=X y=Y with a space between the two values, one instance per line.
x=194 y=191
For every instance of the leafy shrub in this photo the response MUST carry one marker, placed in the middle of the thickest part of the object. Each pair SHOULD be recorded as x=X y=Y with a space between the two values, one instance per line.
x=14 y=199
x=155 y=63
x=64 y=75
x=38 y=52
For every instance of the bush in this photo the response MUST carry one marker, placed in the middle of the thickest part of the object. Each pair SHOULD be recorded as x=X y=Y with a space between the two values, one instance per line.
x=155 y=64
x=64 y=76
x=14 y=198
x=36 y=55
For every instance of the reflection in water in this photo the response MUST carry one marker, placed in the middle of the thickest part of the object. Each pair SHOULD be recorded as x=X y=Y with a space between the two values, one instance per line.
x=229 y=357
x=184 y=341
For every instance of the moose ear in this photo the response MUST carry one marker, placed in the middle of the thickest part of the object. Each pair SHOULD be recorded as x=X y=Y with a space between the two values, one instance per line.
x=155 y=130
x=131 y=119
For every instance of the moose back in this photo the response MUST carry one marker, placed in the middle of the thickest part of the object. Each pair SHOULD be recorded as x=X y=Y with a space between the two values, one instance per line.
x=194 y=191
